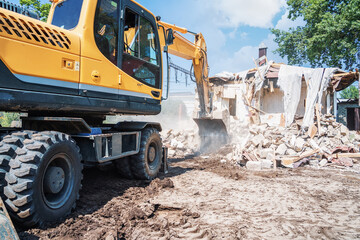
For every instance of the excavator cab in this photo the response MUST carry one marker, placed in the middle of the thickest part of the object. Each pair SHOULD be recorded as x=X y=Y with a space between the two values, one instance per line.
x=120 y=55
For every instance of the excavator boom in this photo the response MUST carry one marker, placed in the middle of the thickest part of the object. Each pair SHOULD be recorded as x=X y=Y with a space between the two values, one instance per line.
x=212 y=129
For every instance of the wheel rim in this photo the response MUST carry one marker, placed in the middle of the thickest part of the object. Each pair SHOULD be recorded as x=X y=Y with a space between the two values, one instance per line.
x=57 y=181
x=152 y=155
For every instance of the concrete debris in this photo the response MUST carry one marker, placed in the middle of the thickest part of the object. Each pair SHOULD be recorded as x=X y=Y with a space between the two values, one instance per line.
x=266 y=164
x=323 y=163
x=299 y=144
x=281 y=149
x=253 y=165
x=344 y=131
x=291 y=145
x=181 y=143
x=265 y=153
x=300 y=163
x=258 y=140
x=344 y=161
x=314 y=163
x=258 y=147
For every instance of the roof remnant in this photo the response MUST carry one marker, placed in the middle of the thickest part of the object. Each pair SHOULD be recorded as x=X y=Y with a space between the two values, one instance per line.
x=339 y=81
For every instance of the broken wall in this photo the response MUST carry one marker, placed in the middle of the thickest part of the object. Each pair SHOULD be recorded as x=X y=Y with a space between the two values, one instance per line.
x=272 y=102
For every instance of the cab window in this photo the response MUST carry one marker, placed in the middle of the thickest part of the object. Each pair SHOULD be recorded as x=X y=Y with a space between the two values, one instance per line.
x=67 y=14
x=106 y=28
x=140 y=53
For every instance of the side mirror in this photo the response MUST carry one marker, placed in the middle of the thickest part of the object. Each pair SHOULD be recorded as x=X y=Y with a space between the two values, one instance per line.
x=126 y=28
x=169 y=37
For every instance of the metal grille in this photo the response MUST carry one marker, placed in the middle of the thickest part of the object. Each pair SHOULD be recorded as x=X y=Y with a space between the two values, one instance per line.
x=32 y=31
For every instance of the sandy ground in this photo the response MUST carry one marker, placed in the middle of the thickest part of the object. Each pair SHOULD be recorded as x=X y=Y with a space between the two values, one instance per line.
x=203 y=199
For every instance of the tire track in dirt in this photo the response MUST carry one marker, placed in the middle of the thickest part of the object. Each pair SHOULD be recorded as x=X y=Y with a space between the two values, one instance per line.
x=203 y=199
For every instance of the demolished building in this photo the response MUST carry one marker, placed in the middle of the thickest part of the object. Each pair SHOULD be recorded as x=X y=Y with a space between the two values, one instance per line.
x=279 y=93
x=276 y=115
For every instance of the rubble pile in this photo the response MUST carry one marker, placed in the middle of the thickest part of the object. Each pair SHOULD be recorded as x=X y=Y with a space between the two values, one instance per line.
x=292 y=147
x=181 y=143
x=258 y=147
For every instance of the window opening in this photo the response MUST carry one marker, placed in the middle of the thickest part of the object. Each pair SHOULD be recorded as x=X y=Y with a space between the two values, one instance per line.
x=106 y=28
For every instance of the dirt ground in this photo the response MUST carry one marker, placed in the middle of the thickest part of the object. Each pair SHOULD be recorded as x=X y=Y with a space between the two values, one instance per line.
x=204 y=199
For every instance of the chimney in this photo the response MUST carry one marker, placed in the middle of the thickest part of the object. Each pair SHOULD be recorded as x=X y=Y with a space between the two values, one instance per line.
x=262 y=50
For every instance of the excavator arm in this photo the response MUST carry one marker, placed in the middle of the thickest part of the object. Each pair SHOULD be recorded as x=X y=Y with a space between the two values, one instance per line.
x=197 y=52
x=212 y=129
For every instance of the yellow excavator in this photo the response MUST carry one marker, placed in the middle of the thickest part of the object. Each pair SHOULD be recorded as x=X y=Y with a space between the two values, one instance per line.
x=92 y=58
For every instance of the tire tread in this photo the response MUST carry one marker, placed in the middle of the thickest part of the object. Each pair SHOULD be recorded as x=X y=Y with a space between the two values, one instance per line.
x=20 y=179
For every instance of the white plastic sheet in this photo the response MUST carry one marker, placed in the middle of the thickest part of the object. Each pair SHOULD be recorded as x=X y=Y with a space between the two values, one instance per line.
x=318 y=83
x=226 y=75
x=289 y=80
x=241 y=75
x=260 y=76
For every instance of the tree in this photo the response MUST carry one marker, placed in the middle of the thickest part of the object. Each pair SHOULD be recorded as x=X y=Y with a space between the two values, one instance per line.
x=41 y=9
x=351 y=92
x=7 y=118
x=331 y=35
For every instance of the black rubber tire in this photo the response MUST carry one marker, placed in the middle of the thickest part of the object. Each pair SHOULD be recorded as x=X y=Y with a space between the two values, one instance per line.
x=123 y=168
x=8 y=149
x=27 y=201
x=141 y=168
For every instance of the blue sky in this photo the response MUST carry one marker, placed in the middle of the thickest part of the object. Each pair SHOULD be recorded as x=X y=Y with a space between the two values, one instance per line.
x=233 y=29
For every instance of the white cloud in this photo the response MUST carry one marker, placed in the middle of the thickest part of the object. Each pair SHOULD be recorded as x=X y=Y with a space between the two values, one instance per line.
x=242 y=59
x=285 y=23
x=235 y=62
x=234 y=13
x=244 y=35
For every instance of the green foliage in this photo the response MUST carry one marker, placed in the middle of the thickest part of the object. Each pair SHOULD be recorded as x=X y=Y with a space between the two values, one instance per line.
x=7 y=118
x=351 y=92
x=331 y=35
x=41 y=9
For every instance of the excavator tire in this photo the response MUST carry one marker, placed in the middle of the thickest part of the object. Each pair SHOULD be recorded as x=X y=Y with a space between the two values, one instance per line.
x=44 y=179
x=147 y=163
x=8 y=149
x=123 y=168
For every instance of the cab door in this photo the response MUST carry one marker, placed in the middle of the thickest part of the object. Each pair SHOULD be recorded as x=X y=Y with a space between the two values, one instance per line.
x=100 y=74
x=141 y=54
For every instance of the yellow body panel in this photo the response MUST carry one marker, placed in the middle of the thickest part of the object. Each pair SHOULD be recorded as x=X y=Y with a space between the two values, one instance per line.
x=34 y=48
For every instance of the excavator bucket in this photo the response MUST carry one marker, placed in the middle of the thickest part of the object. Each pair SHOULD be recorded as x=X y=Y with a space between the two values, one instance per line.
x=7 y=229
x=213 y=134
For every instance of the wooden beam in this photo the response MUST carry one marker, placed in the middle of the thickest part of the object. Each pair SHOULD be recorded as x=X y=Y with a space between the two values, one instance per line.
x=258 y=70
x=282 y=121
x=317 y=108
x=255 y=108
x=287 y=160
x=312 y=131
x=272 y=87
x=349 y=155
